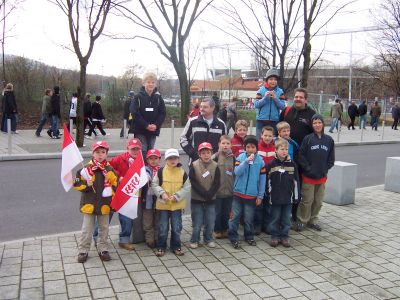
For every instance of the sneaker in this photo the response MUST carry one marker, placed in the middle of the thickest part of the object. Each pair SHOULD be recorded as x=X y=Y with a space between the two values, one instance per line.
x=218 y=235
x=251 y=242
x=105 y=256
x=37 y=134
x=88 y=137
x=274 y=243
x=285 y=243
x=49 y=133
x=315 y=227
x=82 y=257
x=56 y=137
x=127 y=246
x=299 y=227
x=235 y=244
x=193 y=245
x=211 y=244
x=14 y=132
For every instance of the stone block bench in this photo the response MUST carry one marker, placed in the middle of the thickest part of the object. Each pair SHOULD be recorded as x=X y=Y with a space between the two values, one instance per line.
x=340 y=188
x=392 y=174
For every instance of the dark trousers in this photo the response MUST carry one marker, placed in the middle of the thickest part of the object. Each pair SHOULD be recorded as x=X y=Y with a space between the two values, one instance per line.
x=395 y=122
x=98 y=125
x=351 y=124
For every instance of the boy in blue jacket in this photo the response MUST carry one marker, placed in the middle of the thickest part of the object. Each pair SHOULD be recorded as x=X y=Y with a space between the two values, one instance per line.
x=284 y=189
x=270 y=101
x=248 y=191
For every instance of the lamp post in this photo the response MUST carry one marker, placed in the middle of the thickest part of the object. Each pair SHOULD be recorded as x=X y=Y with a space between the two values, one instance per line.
x=361 y=83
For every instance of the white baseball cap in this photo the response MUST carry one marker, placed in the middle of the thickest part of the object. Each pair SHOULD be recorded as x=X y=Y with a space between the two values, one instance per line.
x=171 y=153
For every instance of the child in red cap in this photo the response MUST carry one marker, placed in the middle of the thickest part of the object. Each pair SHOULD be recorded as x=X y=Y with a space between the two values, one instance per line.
x=97 y=181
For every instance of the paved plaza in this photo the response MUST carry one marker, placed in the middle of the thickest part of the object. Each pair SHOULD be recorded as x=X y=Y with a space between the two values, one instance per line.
x=356 y=256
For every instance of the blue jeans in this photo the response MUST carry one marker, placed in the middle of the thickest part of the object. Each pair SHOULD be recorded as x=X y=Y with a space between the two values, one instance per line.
x=280 y=221
x=222 y=210
x=261 y=123
x=334 y=124
x=13 y=118
x=261 y=216
x=246 y=207
x=374 y=122
x=363 y=121
x=126 y=229
x=42 y=122
x=148 y=142
x=203 y=213
x=163 y=227
x=55 y=125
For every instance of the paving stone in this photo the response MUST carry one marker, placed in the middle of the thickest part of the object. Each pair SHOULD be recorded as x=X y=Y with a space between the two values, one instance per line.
x=300 y=284
x=31 y=263
x=222 y=294
x=237 y=287
x=203 y=275
x=9 y=291
x=275 y=281
x=311 y=277
x=141 y=277
x=164 y=280
x=350 y=289
x=56 y=297
x=31 y=283
x=364 y=296
x=251 y=296
x=77 y=290
x=315 y=294
x=55 y=287
x=180 y=272
x=131 y=295
x=73 y=269
x=32 y=273
x=172 y=290
x=250 y=279
x=289 y=292
x=359 y=281
x=212 y=285
x=29 y=294
x=178 y=297
x=122 y=285
x=13 y=261
x=103 y=293
x=377 y=291
x=197 y=292
x=146 y=288
x=188 y=282
x=76 y=278
x=52 y=266
x=135 y=268
x=9 y=280
x=98 y=282
x=153 y=296
x=10 y=270
x=339 y=295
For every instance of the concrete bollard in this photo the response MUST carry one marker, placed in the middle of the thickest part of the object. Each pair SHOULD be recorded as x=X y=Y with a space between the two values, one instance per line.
x=124 y=134
x=251 y=127
x=392 y=172
x=340 y=188
x=172 y=133
x=9 y=136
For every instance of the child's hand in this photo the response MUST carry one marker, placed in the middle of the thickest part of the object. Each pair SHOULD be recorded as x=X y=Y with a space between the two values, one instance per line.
x=164 y=197
x=258 y=201
x=250 y=158
x=89 y=182
x=173 y=199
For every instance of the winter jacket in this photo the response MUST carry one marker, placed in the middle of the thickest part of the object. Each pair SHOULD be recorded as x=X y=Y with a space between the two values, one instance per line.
x=173 y=181
x=268 y=108
x=46 y=106
x=375 y=111
x=362 y=109
x=204 y=180
x=92 y=201
x=55 y=103
x=352 y=110
x=97 y=112
x=336 y=111
x=231 y=113
x=283 y=182
x=87 y=109
x=316 y=155
x=120 y=164
x=197 y=131
x=73 y=107
x=293 y=149
x=250 y=178
x=127 y=105
x=223 y=114
x=147 y=110
x=217 y=104
x=300 y=122
x=395 y=112
x=266 y=151
x=9 y=104
x=237 y=145
x=226 y=164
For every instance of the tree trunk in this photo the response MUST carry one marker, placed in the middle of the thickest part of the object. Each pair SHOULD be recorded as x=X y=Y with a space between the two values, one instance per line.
x=185 y=95
x=306 y=62
x=79 y=108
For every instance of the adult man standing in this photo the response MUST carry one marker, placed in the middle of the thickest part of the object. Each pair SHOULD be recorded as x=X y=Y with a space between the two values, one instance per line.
x=362 y=110
x=375 y=114
x=352 y=110
x=335 y=114
x=204 y=128
x=395 y=115
x=217 y=103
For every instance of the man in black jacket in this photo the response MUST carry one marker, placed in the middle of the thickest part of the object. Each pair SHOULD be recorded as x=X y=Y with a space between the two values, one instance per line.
x=55 y=113
x=362 y=110
x=127 y=114
x=204 y=128
x=352 y=110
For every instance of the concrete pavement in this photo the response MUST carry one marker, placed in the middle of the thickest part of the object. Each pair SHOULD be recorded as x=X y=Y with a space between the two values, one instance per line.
x=356 y=256
x=26 y=145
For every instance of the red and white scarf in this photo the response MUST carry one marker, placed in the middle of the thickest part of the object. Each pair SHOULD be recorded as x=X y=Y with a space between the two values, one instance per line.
x=88 y=173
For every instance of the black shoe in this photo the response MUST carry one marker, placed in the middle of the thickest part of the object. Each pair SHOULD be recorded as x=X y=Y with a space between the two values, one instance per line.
x=251 y=242
x=49 y=133
x=105 y=256
x=315 y=227
x=37 y=134
x=82 y=257
x=235 y=244
x=299 y=227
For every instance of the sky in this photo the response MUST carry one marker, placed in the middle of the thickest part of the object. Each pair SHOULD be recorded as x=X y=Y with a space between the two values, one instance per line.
x=40 y=32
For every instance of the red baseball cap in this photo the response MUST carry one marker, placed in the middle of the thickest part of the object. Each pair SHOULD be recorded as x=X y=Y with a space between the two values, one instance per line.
x=153 y=152
x=205 y=145
x=134 y=143
x=100 y=144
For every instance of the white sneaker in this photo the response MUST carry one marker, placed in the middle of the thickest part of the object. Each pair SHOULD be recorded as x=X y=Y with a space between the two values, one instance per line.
x=211 y=244
x=193 y=245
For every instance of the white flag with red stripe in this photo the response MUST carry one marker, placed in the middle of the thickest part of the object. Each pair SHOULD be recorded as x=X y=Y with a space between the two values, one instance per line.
x=70 y=158
x=126 y=197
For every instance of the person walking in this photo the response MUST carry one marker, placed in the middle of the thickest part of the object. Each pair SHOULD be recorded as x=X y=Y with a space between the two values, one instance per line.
x=352 y=111
x=335 y=114
x=127 y=114
x=46 y=111
x=362 y=110
x=55 y=113
x=395 y=115
x=375 y=114
x=231 y=116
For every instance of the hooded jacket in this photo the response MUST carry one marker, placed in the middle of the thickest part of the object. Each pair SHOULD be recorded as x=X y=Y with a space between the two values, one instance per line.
x=268 y=108
x=300 y=122
x=9 y=104
x=147 y=110
x=55 y=102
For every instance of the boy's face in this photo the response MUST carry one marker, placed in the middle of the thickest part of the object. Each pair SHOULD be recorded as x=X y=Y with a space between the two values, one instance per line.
x=272 y=81
x=153 y=161
x=149 y=85
x=134 y=152
x=205 y=155
x=100 y=154
x=318 y=126
x=267 y=136
x=224 y=145
x=251 y=149
x=241 y=131
x=282 y=152
x=284 y=133
x=172 y=161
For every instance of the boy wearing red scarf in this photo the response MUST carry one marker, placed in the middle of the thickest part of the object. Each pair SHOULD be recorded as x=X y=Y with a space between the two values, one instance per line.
x=237 y=142
x=97 y=181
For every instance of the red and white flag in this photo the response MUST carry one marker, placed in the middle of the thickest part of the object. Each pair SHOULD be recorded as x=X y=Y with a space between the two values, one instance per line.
x=70 y=157
x=126 y=197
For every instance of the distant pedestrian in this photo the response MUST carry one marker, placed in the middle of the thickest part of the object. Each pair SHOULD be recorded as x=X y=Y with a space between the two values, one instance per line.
x=395 y=115
x=97 y=117
x=217 y=103
x=73 y=110
x=223 y=112
x=9 y=109
x=353 y=113
x=46 y=111
x=195 y=109
x=148 y=112
x=87 y=114
x=362 y=110
x=127 y=116
x=231 y=116
x=55 y=113
x=335 y=114
x=375 y=114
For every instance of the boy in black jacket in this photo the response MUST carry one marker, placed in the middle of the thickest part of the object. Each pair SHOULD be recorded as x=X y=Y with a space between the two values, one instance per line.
x=316 y=157
x=97 y=117
x=284 y=189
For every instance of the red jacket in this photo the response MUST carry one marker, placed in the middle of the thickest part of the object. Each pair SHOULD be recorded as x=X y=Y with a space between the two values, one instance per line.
x=237 y=145
x=120 y=164
x=267 y=152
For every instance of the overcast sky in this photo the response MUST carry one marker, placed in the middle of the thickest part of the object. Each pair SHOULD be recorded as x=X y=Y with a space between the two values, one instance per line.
x=41 y=29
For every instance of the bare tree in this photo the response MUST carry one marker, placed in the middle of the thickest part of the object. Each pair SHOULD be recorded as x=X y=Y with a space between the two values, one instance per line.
x=192 y=60
x=85 y=18
x=169 y=23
